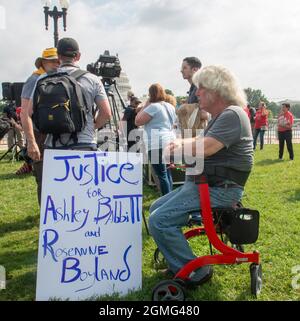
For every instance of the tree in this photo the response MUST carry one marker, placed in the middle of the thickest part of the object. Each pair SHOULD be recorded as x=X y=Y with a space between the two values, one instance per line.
x=169 y=92
x=254 y=96
x=296 y=110
x=181 y=99
x=274 y=108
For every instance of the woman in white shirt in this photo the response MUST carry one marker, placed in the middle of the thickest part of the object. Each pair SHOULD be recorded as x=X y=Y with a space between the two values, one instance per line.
x=158 y=118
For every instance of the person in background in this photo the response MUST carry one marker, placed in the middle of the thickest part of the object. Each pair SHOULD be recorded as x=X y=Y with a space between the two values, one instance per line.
x=251 y=113
x=158 y=118
x=171 y=100
x=15 y=134
x=247 y=111
x=189 y=66
x=47 y=62
x=129 y=117
x=130 y=94
x=285 y=124
x=261 y=124
x=26 y=168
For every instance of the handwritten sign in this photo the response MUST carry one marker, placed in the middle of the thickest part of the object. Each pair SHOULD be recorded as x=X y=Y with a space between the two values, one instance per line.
x=90 y=225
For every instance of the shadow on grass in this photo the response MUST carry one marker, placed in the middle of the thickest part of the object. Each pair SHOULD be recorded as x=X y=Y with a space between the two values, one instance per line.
x=296 y=197
x=20 y=288
x=207 y=292
x=267 y=162
x=14 y=176
x=20 y=283
x=15 y=259
x=26 y=224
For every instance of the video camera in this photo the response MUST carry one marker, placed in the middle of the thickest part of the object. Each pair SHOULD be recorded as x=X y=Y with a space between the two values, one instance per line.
x=108 y=67
x=11 y=93
x=10 y=111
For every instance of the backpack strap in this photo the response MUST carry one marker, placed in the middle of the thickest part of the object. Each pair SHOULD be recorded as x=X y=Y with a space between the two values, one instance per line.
x=77 y=74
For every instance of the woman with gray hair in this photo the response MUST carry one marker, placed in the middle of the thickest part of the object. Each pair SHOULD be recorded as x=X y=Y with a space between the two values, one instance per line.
x=227 y=151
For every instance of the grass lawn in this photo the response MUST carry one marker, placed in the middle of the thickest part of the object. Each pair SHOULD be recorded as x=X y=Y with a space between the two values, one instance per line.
x=273 y=189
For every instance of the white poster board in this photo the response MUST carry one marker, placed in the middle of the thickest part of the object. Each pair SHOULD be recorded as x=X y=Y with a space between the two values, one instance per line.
x=90 y=241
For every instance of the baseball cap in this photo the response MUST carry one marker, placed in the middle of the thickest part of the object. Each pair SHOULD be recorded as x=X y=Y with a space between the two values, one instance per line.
x=67 y=47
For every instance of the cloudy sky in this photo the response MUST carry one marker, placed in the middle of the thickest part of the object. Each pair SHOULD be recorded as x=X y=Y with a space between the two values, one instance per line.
x=257 y=39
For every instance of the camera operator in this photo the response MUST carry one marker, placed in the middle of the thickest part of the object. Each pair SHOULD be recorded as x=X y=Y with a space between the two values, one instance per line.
x=15 y=134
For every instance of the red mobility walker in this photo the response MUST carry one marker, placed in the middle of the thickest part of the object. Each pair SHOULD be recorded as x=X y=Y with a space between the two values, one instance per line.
x=239 y=225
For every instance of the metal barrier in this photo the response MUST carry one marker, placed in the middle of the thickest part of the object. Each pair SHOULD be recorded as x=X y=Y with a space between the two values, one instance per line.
x=271 y=136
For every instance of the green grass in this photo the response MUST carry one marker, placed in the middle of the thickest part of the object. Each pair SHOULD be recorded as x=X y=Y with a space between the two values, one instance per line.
x=273 y=189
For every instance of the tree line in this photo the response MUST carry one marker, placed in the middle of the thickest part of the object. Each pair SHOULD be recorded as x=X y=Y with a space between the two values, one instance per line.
x=254 y=96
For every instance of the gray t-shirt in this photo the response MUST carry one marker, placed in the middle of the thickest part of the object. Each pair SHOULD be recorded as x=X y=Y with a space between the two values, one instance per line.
x=94 y=92
x=29 y=86
x=232 y=128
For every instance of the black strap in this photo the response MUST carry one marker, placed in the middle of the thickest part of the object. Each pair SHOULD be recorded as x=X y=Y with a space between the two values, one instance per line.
x=169 y=115
x=77 y=74
x=217 y=174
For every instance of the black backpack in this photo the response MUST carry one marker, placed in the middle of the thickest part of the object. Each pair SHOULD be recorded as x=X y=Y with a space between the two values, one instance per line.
x=59 y=106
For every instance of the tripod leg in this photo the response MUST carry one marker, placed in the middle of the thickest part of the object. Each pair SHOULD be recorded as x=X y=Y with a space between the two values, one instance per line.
x=145 y=222
x=8 y=151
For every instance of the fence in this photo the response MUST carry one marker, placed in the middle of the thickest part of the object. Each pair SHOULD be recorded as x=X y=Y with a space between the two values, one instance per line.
x=271 y=136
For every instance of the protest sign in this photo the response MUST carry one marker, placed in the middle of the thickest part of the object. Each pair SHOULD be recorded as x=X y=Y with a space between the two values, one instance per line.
x=90 y=226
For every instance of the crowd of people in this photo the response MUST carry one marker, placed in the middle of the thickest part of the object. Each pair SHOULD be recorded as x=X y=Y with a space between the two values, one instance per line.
x=215 y=103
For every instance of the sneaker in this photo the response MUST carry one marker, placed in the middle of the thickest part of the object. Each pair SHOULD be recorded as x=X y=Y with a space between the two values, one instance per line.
x=24 y=169
x=167 y=273
x=201 y=275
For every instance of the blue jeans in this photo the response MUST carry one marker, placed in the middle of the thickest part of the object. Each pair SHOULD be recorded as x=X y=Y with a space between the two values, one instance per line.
x=163 y=174
x=261 y=133
x=170 y=213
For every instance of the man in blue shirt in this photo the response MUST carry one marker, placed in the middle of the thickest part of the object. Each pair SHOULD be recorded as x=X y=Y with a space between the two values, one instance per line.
x=189 y=67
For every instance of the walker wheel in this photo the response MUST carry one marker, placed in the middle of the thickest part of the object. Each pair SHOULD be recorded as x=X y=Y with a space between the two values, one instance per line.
x=256 y=279
x=168 y=290
x=159 y=260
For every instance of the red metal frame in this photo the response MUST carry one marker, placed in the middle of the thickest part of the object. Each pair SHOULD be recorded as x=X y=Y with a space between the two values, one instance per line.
x=228 y=255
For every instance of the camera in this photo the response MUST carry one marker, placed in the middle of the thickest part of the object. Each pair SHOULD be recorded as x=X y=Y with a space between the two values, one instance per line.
x=10 y=111
x=12 y=92
x=107 y=66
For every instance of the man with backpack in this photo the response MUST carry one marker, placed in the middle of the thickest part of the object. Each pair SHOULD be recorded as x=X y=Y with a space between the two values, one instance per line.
x=62 y=105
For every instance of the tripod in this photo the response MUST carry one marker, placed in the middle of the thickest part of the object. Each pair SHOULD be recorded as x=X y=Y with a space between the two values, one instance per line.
x=13 y=149
x=113 y=124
